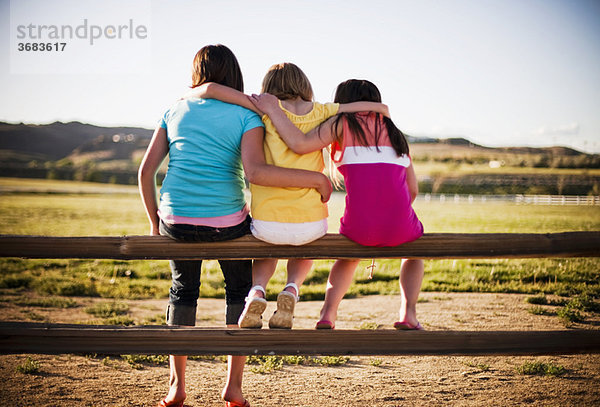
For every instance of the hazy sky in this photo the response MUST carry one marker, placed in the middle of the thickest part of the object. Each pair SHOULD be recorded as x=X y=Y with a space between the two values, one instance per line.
x=498 y=72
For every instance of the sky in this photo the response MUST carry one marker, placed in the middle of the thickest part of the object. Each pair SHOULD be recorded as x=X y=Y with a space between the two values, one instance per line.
x=497 y=72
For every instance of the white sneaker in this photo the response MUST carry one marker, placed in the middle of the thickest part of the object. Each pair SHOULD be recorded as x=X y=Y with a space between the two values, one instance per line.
x=251 y=316
x=283 y=318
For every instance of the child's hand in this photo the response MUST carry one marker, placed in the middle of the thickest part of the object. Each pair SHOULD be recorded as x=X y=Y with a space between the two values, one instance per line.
x=325 y=189
x=259 y=111
x=385 y=110
x=265 y=102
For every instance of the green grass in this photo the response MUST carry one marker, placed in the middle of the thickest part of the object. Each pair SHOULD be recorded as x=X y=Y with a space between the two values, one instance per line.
x=481 y=366
x=72 y=214
x=122 y=320
x=368 y=326
x=108 y=309
x=138 y=361
x=265 y=364
x=572 y=310
x=270 y=363
x=539 y=310
x=91 y=278
x=122 y=214
x=570 y=315
x=45 y=302
x=30 y=366
x=376 y=362
x=497 y=217
x=540 y=369
x=60 y=186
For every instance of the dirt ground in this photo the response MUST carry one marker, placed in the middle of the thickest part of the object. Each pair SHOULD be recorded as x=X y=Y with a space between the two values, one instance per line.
x=73 y=380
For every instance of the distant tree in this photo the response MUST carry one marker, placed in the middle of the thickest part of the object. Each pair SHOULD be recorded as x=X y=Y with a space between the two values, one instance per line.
x=53 y=174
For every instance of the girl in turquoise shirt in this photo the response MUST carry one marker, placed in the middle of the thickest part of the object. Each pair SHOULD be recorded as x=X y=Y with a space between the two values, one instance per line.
x=208 y=144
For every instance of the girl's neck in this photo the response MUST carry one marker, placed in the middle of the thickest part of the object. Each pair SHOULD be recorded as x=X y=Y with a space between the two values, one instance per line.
x=297 y=106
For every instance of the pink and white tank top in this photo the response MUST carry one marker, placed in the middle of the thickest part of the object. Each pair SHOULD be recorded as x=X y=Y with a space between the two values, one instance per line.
x=378 y=203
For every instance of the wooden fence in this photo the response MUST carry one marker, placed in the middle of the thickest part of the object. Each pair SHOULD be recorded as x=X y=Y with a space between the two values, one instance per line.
x=331 y=246
x=568 y=200
x=16 y=338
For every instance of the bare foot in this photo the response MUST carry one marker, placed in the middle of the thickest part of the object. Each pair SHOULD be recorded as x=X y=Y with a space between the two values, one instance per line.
x=408 y=316
x=233 y=395
x=173 y=398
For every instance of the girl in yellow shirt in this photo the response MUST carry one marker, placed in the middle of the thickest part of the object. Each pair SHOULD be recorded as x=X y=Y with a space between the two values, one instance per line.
x=293 y=216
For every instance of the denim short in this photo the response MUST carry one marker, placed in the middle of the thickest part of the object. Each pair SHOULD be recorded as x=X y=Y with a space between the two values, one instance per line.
x=185 y=274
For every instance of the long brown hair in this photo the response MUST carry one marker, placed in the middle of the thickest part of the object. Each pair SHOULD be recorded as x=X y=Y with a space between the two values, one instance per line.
x=287 y=81
x=216 y=63
x=357 y=90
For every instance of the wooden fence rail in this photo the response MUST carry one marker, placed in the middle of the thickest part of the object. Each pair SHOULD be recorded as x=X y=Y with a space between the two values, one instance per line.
x=56 y=338
x=17 y=338
x=331 y=246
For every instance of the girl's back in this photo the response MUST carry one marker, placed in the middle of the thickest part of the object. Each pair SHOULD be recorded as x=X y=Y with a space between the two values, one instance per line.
x=378 y=201
x=292 y=205
x=205 y=176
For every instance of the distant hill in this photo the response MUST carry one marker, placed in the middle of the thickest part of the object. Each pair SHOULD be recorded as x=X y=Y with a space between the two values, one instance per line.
x=557 y=151
x=83 y=152
x=79 y=141
x=58 y=140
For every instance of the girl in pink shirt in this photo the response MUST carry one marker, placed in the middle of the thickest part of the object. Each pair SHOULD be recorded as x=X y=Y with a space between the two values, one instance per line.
x=373 y=156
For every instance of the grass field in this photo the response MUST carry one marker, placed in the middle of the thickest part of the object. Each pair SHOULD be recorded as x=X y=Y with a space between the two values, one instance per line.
x=81 y=214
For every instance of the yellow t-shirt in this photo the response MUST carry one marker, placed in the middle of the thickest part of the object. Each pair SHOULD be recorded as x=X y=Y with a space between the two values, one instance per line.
x=292 y=205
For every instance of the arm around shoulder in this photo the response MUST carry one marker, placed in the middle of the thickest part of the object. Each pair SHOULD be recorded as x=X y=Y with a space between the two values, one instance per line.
x=212 y=90
x=364 y=107
x=297 y=141
x=260 y=173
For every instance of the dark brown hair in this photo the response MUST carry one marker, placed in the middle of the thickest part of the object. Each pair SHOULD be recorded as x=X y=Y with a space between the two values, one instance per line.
x=216 y=63
x=287 y=81
x=357 y=90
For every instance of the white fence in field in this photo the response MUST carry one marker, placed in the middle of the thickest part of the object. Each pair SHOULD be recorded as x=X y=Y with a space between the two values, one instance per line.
x=444 y=198
x=518 y=199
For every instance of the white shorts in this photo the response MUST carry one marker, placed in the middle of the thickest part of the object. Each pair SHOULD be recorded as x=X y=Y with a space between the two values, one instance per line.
x=295 y=234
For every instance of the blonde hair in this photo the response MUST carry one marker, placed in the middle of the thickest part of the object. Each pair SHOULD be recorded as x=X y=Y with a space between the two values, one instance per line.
x=287 y=81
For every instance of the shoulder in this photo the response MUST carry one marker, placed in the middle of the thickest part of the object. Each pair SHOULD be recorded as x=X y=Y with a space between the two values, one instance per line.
x=248 y=118
x=175 y=110
x=325 y=106
x=176 y=106
x=325 y=110
x=231 y=108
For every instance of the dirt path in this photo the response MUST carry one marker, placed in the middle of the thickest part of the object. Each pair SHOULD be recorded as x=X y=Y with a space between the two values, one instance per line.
x=70 y=380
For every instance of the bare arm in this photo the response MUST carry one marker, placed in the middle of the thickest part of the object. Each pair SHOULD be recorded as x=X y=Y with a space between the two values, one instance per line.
x=260 y=173
x=297 y=141
x=364 y=107
x=155 y=154
x=223 y=93
x=411 y=180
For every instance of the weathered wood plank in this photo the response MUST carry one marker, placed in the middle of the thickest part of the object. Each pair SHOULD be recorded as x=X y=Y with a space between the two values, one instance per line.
x=331 y=246
x=52 y=247
x=18 y=338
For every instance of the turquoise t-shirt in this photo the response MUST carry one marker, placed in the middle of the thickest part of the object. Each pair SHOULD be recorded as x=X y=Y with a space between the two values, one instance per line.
x=205 y=176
